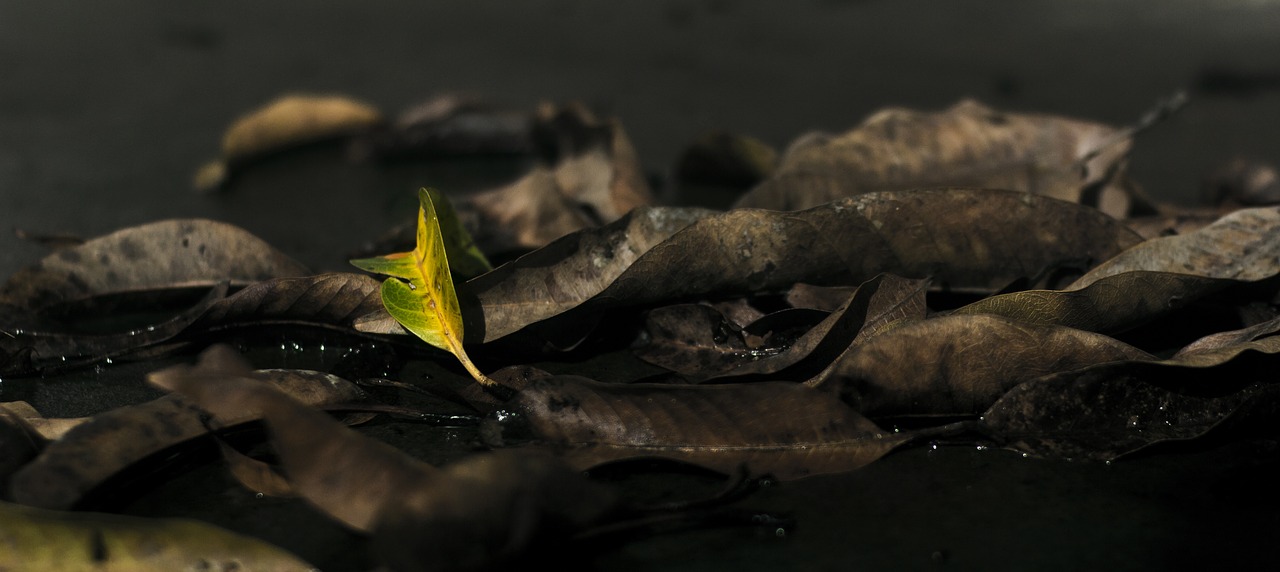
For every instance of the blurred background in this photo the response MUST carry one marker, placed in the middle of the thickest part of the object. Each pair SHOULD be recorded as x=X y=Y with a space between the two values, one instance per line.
x=107 y=107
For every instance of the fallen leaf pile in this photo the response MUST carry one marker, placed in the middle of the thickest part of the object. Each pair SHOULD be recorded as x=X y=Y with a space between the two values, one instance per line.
x=968 y=274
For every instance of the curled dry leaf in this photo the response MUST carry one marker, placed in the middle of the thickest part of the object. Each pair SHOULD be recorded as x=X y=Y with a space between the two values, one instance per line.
x=448 y=125
x=473 y=514
x=968 y=144
x=37 y=540
x=42 y=349
x=589 y=175
x=1110 y=305
x=1155 y=277
x=916 y=234
x=1242 y=181
x=708 y=348
x=325 y=300
x=1243 y=245
x=287 y=122
x=594 y=161
x=41 y=428
x=1110 y=410
x=334 y=299
x=783 y=429
x=527 y=214
x=19 y=441
x=181 y=253
x=959 y=365
x=488 y=511
x=89 y=454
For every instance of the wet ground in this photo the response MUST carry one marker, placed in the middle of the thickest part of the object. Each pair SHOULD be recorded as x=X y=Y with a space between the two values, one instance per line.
x=106 y=108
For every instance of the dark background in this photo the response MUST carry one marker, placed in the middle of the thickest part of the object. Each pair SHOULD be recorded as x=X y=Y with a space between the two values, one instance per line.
x=107 y=107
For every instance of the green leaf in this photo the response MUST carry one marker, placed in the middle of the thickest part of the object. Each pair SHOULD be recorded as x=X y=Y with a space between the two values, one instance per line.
x=465 y=258
x=427 y=304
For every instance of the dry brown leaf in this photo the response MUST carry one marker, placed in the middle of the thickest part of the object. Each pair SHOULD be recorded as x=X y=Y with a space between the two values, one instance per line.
x=968 y=144
x=959 y=365
x=1243 y=245
x=783 y=429
x=287 y=122
x=967 y=240
x=89 y=454
x=180 y=253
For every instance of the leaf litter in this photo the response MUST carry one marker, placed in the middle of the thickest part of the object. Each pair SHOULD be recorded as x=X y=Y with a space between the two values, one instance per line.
x=822 y=339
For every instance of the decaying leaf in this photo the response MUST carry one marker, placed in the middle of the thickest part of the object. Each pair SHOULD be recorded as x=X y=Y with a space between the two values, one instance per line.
x=527 y=214
x=959 y=365
x=43 y=348
x=331 y=299
x=1155 y=277
x=181 y=253
x=588 y=175
x=1242 y=245
x=19 y=442
x=38 y=540
x=481 y=511
x=916 y=234
x=709 y=348
x=41 y=428
x=968 y=144
x=783 y=429
x=448 y=125
x=1110 y=305
x=1242 y=181
x=594 y=161
x=89 y=454
x=287 y=122
x=427 y=304
x=1110 y=410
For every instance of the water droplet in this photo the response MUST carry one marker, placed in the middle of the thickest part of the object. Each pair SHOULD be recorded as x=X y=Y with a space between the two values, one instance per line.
x=1108 y=463
x=1026 y=455
x=258 y=495
x=933 y=445
x=109 y=362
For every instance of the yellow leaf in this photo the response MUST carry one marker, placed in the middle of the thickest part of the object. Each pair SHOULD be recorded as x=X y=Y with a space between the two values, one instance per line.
x=36 y=540
x=465 y=258
x=427 y=304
